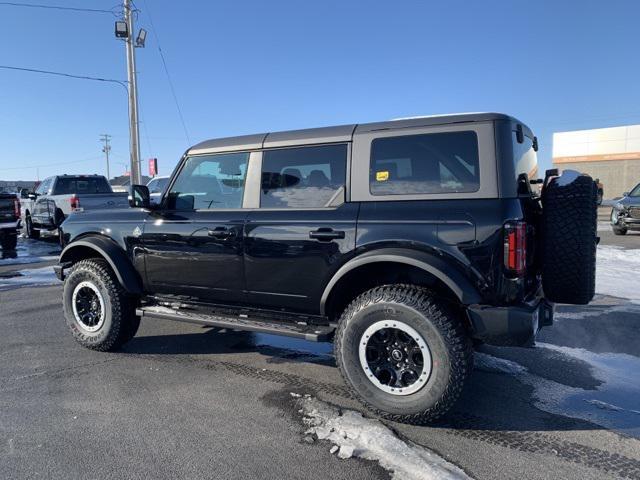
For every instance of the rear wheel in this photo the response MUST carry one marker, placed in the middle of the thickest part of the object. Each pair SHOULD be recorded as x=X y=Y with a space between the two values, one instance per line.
x=30 y=230
x=99 y=313
x=404 y=353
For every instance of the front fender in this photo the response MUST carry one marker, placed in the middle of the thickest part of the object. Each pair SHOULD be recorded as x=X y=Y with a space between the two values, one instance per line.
x=440 y=268
x=112 y=253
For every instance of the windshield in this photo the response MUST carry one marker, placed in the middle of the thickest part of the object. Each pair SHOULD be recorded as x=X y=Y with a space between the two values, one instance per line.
x=81 y=185
x=635 y=192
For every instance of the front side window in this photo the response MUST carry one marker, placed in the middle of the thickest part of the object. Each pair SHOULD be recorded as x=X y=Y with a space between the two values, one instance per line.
x=305 y=177
x=210 y=182
x=424 y=164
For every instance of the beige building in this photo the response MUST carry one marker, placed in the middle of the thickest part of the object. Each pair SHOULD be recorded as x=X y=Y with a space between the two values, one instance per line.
x=610 y=154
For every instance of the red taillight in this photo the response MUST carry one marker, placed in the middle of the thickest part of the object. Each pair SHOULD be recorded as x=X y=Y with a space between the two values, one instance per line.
x=16 y=207
x=75 y=202
x=515 y=247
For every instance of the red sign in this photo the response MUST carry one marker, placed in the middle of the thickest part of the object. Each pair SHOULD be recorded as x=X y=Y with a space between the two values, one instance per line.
x=153 y=167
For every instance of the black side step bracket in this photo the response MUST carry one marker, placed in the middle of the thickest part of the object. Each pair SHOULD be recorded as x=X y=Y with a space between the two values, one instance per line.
x=314 y=333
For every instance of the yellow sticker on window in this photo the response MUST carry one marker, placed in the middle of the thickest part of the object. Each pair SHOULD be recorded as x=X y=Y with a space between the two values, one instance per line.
x=382 y=176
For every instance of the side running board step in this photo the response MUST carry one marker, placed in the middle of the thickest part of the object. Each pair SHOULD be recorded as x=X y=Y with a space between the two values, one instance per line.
x=314 y=333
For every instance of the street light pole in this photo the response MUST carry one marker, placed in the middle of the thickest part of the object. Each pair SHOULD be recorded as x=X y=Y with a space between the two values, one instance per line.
x=134 y=133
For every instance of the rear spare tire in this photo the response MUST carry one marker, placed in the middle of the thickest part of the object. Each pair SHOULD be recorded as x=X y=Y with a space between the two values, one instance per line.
x=569 y=225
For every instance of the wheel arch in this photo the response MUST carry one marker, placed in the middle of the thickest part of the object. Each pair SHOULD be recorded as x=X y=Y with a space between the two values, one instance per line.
x=92 y=246
x=435 y=272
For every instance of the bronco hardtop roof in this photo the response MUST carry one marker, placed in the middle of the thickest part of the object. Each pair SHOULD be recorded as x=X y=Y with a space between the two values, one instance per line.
x=341 y=133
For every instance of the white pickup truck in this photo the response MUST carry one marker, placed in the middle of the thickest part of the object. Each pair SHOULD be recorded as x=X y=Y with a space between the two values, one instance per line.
x=59 y=196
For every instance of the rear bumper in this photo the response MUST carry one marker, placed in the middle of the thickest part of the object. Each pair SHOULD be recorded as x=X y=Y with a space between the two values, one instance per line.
x=515 y=325
x=9 y=227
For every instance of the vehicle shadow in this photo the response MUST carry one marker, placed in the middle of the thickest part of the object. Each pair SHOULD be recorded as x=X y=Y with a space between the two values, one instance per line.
x=223 y=341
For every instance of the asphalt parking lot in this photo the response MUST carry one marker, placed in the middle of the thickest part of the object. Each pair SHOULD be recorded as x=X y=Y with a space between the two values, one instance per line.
x=182 y=401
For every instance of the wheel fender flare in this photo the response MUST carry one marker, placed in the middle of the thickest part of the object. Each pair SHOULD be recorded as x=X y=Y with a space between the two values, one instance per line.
x=115 y=257
x=437 y=266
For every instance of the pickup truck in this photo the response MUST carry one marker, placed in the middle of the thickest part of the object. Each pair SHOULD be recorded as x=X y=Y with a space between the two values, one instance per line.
x=59 y=196
x=9 y=220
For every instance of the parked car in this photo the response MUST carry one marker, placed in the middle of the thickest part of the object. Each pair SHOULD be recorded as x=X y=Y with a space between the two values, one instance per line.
x=156 y=187
x=625 y=214
x=9 y=220
x=600 y=188
x=399 y=241
x=58 y=196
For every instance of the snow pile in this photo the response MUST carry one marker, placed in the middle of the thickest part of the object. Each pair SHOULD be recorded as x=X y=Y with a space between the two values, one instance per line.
x=617 y=272
x=32 y=277
x=354 y=435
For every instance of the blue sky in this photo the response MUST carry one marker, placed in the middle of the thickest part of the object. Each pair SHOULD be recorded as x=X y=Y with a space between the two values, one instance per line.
x=249 y=66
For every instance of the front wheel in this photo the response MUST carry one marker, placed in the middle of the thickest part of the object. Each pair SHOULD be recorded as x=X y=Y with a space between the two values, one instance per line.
x=619 y=231
x=98 y=311
x=404 y=353
x=30 y=230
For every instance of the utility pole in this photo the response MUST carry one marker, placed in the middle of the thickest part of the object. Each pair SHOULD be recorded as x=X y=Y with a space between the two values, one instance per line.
x=106 y=149
x=134 y=133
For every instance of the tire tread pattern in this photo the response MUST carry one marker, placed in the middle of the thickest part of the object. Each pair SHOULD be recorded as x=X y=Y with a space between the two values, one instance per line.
x=569 y=227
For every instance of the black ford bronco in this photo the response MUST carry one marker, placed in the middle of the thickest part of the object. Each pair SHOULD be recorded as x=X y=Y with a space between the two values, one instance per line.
x=403 y=242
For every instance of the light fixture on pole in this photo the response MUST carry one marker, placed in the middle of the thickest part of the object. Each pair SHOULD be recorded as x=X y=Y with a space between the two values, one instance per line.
x=140 y=39
x=121 y=29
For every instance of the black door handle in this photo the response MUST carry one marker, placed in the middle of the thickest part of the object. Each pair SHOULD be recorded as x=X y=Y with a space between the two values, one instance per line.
x=221 y=232
x=326 y=234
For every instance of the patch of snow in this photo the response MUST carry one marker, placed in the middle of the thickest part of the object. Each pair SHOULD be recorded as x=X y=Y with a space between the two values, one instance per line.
x=593 y=311
x=614 y=404
x=30 y=278
x=354 y=435
x=617 y=272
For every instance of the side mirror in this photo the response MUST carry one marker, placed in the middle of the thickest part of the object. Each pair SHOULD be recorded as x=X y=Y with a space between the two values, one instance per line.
x=625 y=194
x=32 y=195
x=139 y=196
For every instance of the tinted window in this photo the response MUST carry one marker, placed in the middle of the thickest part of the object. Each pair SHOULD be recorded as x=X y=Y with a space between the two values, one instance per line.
x=209 y=182
x=429 y=163
x=307 y=177
x=81 y=185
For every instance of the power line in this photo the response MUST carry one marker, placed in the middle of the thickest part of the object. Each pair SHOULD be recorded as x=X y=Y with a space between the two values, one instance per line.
x=68 y=75
x=57 y=7
x=51 y=164
x=166 y=71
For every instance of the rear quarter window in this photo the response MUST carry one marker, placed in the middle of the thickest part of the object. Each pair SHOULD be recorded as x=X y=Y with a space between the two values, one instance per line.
x=430 y=163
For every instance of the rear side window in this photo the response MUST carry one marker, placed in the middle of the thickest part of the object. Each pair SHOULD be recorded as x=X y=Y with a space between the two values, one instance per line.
x=306 y=177
x=425 y=164
x=81 y=185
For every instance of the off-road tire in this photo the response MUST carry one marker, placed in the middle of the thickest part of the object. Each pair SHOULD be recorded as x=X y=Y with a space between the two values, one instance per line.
x=9 y=241
x=568 y=237
x=619 y=231
x=451 y=351
x=29 y=230
x=120 y=322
